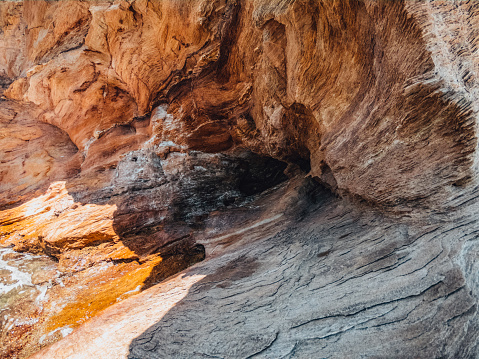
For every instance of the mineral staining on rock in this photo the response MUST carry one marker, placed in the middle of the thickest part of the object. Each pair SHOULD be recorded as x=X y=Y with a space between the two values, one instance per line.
x=138 y=138
x=24 y=281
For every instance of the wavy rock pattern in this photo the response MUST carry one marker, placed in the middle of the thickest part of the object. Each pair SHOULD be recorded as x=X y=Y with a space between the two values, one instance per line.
x=140 y=137
x=342 y=282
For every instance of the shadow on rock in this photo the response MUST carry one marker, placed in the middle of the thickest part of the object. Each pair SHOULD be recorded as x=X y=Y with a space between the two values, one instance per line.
x=340 y=283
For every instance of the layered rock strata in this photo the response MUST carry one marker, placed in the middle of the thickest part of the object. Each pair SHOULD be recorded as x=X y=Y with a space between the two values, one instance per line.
x=342 y=282
x=134 y=132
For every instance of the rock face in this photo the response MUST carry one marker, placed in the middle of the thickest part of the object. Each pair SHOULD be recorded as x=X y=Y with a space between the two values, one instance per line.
x=343 y=282
x=319 y=156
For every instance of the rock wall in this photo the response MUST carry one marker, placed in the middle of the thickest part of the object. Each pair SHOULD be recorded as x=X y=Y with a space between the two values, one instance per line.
x=127 y=125
x=334 y=87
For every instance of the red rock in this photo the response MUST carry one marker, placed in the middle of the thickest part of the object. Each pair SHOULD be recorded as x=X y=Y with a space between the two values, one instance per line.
x=126 y=124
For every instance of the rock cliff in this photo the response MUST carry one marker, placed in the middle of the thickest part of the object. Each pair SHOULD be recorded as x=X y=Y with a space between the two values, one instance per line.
x=319 y=158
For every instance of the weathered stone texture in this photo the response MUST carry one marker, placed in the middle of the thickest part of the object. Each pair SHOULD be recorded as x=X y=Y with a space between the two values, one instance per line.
x=349 y=89
x=132 y=132
x=342 y=282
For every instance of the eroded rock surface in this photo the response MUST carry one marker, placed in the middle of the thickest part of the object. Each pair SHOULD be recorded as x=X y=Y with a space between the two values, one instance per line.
x=140 y=137
x=352 y=91
x=276 y=287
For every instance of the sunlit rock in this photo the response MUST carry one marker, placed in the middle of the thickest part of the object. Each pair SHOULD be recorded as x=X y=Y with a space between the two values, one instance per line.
x=317 y=157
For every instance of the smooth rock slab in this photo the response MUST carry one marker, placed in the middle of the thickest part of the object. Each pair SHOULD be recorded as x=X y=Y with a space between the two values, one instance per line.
x=344 y=282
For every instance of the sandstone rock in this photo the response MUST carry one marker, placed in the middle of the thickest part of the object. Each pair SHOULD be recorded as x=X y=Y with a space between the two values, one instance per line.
x=138 y=137
x=32 y=154
x=236 y=74
x=273 y=286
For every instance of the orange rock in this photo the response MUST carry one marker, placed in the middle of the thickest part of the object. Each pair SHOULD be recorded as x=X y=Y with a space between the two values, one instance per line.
x=56 y=223
x=124 y=124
